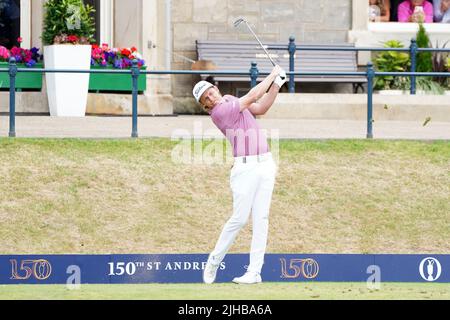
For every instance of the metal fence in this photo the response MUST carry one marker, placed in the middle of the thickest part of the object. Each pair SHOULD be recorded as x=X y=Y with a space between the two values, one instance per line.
x=413 y=50
x=253 y=74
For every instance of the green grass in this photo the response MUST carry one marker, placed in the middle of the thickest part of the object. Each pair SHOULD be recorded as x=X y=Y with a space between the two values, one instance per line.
x=265 y=291
x=128 y=196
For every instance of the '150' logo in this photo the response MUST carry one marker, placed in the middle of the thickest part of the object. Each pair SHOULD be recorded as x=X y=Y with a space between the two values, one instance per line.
x=308 y=268
x=39 y=269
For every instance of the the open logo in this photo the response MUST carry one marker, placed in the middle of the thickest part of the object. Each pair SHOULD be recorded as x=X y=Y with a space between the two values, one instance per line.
x=430 y=269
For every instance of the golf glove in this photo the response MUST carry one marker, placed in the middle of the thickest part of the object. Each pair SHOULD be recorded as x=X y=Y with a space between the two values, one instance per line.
x=281 y=79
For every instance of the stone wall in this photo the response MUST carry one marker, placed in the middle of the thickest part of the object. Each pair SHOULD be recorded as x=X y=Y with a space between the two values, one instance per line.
x=310 y=21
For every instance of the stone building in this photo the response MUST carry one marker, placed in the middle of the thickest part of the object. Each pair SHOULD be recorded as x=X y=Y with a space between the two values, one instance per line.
x=165 y=32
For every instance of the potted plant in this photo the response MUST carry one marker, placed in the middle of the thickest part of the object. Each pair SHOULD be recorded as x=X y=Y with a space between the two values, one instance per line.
x=25 y=58
x=393 y=61
x=68 y=33
x=104 y=57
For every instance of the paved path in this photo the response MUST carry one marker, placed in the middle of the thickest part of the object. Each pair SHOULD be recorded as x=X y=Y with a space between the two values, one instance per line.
x=120 y=127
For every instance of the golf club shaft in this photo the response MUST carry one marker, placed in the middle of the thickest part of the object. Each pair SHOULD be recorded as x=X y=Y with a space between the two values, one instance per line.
x=260 y=43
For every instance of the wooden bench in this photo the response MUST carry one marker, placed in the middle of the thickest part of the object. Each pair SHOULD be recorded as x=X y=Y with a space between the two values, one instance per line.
x=237 y=56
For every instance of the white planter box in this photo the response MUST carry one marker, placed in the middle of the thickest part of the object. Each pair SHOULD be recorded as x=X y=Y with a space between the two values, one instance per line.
x=67 y=93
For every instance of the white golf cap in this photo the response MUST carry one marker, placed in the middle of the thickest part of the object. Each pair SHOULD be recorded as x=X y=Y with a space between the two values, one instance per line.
x=200 y=89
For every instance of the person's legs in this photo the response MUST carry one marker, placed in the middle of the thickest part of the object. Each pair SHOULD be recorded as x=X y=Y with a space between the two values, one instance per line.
x=260 y=215
x=260 y=212
x=244 y=182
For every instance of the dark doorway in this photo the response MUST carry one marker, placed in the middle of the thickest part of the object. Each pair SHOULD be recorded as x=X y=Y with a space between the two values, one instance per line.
x=9 y=23
x=96 y=5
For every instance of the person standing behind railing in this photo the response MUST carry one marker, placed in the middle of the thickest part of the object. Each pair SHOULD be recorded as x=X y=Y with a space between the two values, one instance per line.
x=415 y=11
x=441 y=11
x=379 y=10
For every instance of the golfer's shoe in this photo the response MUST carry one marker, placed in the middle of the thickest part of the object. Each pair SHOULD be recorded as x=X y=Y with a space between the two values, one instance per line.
x=210 y=272
x=248 y=278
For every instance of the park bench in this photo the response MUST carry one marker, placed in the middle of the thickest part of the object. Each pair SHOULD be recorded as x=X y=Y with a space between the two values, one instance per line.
x=238 y=55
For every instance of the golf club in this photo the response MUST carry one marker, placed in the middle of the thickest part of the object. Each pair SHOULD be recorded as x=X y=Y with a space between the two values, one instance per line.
x=238 y=22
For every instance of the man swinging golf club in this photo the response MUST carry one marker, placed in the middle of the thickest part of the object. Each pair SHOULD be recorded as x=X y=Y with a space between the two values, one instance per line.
x=252 y=177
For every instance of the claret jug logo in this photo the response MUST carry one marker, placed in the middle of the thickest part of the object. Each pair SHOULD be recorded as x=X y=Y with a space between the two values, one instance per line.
x=307 y=268
x=39 y=269
x=430 y=269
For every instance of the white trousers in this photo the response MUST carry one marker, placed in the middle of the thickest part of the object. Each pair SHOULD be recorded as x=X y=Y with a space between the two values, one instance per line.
x=252 y=184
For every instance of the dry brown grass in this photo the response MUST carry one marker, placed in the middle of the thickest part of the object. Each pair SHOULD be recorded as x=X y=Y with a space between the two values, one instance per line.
x=71 y=196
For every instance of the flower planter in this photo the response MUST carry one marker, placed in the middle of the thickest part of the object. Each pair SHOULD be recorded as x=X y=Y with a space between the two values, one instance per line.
x=67 y=92
x=114 y=82
x=24 y=81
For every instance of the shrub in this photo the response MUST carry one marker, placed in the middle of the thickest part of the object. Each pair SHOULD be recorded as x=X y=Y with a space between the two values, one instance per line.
x=68 y=21
x=424 y=59
x=392 y=61
x=440 y=64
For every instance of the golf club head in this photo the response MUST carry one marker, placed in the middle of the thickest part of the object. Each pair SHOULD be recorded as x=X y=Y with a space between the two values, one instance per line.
x=238 y=22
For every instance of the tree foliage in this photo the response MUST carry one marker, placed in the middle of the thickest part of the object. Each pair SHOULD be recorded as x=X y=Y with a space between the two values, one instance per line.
x=68 y=18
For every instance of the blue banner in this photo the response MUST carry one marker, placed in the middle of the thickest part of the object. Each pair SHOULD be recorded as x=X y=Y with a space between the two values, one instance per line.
x=176 y=268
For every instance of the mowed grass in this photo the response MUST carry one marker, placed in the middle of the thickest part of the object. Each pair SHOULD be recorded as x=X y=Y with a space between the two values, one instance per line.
x=265 y=291
x=126 y=196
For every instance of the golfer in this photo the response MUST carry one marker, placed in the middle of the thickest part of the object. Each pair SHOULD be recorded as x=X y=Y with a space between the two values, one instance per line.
x=252 y=177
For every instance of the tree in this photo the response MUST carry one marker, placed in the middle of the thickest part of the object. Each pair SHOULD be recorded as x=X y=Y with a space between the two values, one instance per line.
x=424 y=59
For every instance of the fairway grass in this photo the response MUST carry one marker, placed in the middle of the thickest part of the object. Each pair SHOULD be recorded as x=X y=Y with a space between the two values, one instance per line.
x=73 y=196
x=264 y=291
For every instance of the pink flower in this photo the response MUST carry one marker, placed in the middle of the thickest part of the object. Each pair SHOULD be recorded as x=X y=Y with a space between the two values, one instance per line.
x=97 y=53
x=4 y=53
x=19 y=40
x=15 y=51
x=27 y=56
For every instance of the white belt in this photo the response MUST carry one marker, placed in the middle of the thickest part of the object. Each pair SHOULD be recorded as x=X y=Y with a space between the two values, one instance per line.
x=254 y=159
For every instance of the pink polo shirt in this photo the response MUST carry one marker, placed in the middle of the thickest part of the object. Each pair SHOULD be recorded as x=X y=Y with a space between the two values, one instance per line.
x=240 y=128
x=406 y=10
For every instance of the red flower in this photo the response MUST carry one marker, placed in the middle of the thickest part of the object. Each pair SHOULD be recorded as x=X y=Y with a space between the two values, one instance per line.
x=19 y=40
x=125 y=52
x=72 y=39
x=94 y=46
x=133 y=49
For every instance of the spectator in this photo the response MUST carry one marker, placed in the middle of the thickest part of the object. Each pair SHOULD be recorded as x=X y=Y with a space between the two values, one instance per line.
x=441 y=11
x=379 y=10
x=415 y=11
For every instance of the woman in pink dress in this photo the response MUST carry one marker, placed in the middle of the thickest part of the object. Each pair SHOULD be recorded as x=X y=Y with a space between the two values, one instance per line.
x=415 y=11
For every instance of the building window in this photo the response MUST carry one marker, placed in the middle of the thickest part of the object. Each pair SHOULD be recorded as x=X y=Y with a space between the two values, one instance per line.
x=9 y=23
